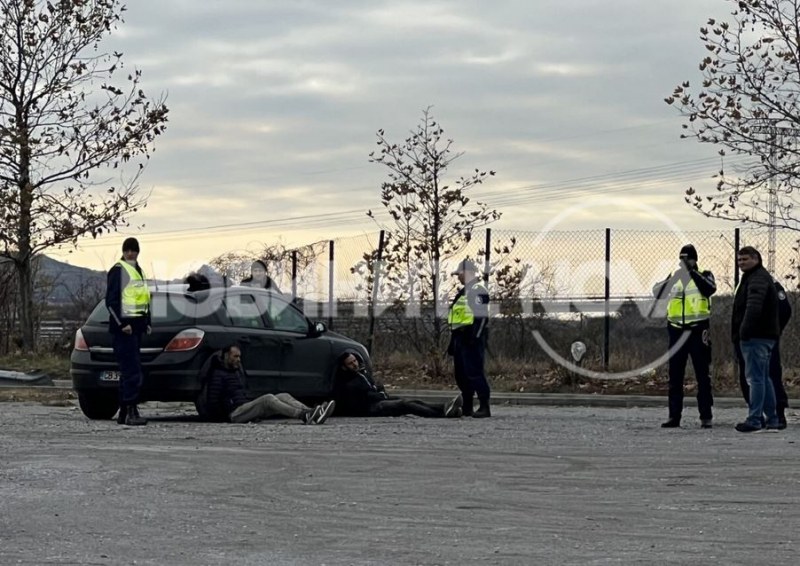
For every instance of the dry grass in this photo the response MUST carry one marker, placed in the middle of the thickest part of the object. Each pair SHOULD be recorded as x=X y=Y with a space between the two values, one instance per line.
x=56 y=366
x=402 y=370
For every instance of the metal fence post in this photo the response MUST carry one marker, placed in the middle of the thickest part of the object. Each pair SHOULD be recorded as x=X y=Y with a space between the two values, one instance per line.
x=294 y=274
x=376 y=282
x=607 y=305
x=736 y=245
x=330 y=284
x=488 y=262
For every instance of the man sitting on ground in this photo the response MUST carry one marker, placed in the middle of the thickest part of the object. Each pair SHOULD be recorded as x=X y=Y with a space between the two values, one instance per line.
x=226 y=399
x=358 y=395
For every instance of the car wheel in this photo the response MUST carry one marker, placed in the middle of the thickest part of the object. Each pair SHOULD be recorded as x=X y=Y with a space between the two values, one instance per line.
x=98 y=405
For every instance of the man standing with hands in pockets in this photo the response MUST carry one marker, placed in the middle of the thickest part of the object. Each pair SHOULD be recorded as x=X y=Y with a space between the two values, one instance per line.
x=755 y=326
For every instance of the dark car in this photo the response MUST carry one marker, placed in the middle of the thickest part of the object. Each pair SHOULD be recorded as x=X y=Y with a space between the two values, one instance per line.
x=282 y=350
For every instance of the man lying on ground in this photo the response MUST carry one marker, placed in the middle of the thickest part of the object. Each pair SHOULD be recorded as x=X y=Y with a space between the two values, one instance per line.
x=358 y=395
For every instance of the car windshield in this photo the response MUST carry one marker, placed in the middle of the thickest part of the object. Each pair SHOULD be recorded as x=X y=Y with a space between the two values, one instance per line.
x=166 y=309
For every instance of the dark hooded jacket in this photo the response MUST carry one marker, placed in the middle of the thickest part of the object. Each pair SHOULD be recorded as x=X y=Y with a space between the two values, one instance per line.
x=755 y=307
x=355 y=391
x=224 y=389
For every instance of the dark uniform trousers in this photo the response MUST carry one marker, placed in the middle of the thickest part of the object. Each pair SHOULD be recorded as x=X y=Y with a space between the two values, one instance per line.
x=126 y=351
x=698 y=347
x=468 y=360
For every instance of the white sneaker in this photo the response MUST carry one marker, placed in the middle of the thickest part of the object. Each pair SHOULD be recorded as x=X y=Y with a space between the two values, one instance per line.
x=327 y=411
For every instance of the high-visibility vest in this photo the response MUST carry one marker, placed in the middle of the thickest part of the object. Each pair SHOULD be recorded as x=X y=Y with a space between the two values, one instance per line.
x=135 y=295
x=687 y=305
x=460 y=312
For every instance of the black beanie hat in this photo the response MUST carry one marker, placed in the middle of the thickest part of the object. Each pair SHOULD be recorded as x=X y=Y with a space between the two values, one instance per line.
x=689 y=251
x=130 y=245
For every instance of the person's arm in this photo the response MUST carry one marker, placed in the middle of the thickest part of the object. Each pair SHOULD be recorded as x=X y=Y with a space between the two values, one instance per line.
x=705 y=282
x=664 y=286
x=754 y=305
x=114 y=294
x=478 y=301
x=784 y=307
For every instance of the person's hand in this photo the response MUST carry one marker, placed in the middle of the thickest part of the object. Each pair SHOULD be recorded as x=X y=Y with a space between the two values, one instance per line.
x=127 y=329
x=691 y=264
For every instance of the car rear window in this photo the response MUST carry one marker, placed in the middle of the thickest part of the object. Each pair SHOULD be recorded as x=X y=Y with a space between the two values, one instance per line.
x=165 y=310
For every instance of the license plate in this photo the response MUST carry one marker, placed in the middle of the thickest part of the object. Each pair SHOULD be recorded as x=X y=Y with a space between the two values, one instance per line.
x=109 y=376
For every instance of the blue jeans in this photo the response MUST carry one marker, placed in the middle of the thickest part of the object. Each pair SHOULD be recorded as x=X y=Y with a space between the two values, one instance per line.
x=756 y=354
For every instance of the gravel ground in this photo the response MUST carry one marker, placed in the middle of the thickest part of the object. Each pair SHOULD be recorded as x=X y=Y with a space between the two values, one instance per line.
x=532 y=485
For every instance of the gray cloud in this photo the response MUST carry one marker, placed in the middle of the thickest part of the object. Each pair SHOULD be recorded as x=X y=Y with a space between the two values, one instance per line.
x=276 y=104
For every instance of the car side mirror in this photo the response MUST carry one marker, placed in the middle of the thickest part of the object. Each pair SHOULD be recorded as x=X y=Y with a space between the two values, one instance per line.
x=320 y=328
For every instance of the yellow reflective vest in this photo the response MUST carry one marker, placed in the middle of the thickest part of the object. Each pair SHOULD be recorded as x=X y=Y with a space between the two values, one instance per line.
x=135 y=295
x=461 y=314
x=687 y=305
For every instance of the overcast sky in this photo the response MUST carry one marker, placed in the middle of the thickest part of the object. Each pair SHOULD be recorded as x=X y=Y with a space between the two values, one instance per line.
x=274 y=108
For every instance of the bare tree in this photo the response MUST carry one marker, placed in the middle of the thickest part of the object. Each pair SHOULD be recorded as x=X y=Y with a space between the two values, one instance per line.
x=747 y=104
x=65 y=129
x=433 y=219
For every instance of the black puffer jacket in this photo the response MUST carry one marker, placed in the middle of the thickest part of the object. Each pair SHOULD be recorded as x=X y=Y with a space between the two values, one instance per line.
x=356 y=391
x=755 y=307
x=226 y=392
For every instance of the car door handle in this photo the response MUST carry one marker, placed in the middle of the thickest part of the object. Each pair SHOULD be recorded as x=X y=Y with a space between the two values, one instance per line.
x=244 y=339
x=286 y=342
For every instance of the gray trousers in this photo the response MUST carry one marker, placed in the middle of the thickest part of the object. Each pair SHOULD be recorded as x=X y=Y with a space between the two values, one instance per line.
x=269 y=405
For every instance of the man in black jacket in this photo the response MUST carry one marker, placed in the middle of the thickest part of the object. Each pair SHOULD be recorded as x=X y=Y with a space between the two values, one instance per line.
x=358 y=395
x=226 y=397
x=128 y=304
x=775 y=367
x=755 y=327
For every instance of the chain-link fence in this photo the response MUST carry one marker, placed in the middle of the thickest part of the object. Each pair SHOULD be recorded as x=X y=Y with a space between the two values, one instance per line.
x=595 y=286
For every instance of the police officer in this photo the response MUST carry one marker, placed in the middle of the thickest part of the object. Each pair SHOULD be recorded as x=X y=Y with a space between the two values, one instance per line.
x=128 y=303
x=688 y=314
x=468 y=318
x=775 y=366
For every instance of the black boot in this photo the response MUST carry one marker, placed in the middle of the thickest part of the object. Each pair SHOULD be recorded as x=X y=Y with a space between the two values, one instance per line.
x=483 y=410
x=466 y=408
x=781 y=418
x=123 y=411
x=131 y=417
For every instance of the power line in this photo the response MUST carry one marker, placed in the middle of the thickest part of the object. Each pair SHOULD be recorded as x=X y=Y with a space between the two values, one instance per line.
x=627 y=180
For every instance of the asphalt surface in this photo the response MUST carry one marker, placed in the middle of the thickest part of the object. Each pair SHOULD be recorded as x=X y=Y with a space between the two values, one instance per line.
x=532 y=485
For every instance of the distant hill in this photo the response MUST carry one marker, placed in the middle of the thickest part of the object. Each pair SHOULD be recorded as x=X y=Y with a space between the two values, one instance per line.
x=60 y=283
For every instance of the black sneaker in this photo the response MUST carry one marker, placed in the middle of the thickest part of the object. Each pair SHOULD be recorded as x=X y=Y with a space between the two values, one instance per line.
x=706 y=423
x=327 y=411
x=452 y=408
x=747 y=427
x=308 y=416
x=671 y=423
